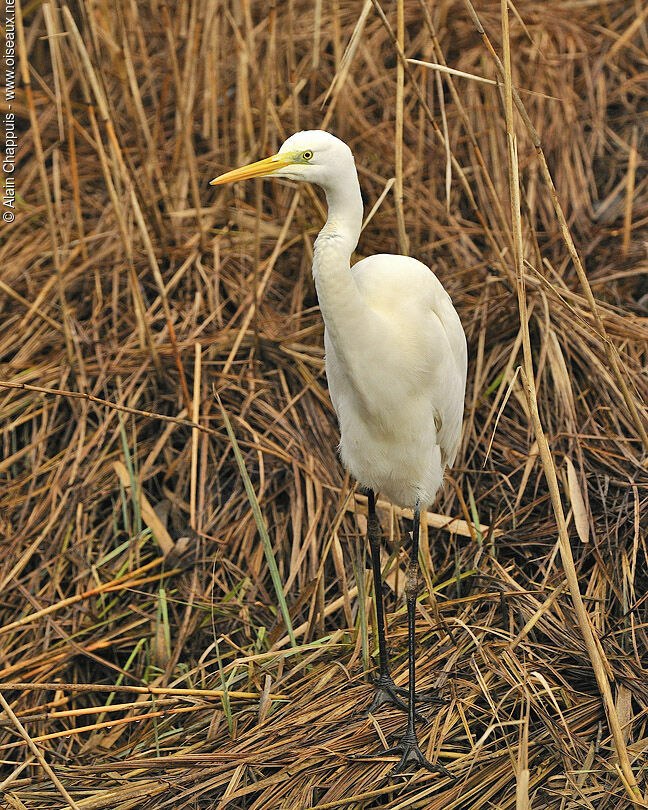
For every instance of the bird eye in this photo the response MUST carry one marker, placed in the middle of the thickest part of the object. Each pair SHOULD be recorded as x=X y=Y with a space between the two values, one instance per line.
x=307 y=155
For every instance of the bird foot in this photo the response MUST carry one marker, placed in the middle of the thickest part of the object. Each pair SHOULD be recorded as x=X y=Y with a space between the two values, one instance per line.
x=388 y=692
x=410 y=754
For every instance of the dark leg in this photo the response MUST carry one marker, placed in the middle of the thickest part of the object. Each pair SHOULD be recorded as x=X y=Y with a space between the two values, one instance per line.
x=411 y=592
x=408 y=746
x=386 y=689
x=373 y=534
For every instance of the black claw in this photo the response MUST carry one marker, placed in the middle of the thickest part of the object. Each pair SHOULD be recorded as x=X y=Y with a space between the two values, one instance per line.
x=388 y=692
x=409 y=752
x=386 y=689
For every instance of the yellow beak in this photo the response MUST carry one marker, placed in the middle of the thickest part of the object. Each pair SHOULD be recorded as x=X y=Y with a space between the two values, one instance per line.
x=259 y=169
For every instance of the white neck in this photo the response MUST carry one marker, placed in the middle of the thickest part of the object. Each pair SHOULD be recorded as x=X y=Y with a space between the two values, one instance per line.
x=344 y=203
x=338 y=295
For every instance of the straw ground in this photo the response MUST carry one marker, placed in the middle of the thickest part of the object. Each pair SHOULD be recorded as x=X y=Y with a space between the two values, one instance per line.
x=185 y=611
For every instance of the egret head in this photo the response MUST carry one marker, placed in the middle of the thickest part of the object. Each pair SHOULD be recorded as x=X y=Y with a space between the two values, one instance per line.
x=313 y=155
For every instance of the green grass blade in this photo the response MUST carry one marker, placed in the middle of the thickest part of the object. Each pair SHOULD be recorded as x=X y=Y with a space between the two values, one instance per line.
x=475 y=516
x=263 y=532
x=132 y=475
x=227 y=708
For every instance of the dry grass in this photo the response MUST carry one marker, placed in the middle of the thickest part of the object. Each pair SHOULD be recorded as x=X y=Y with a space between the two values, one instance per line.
x=144 y=652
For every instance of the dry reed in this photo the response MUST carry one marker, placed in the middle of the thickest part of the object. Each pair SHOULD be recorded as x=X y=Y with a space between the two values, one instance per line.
x=185 y=614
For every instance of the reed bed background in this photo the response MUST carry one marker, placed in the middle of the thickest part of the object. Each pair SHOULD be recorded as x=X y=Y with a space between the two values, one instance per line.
x=185 y=613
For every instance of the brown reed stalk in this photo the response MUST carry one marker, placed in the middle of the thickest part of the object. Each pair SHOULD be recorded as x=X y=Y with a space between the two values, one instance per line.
x=100 y=612
x=594 y=651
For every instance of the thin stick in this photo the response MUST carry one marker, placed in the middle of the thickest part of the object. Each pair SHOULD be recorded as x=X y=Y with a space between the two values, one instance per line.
x=186 y=118
x=113 y=722
x=403 y=241
x=594 y=651
x=127 y=581
x=437 y=131
x=136 y=690
x=30 y=307
x=149 y=514
x=452 y=71
x=137 y=211
x=270 y=263
x=59 y=392
x=274 y=449
x=341 y=75
x=610 y=349
x=463 y=75
x=38 y=148
x=630 y=187
x=194 y=437
x=34 y=749
x=433 y=519
x=15 y=774
x=143 y=326
x=27 y=716
x=378 y=202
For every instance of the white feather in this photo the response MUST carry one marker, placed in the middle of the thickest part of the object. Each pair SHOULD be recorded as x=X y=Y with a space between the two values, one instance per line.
x=395 y=347
x=400 y=402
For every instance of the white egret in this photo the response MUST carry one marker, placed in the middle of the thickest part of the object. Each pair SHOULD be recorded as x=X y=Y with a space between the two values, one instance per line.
x=396 y=366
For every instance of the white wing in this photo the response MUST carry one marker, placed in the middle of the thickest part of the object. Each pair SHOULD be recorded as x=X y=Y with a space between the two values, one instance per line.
x=404 y=289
